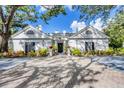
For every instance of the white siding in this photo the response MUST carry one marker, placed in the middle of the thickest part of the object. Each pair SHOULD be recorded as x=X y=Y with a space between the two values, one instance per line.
x=99 y=44
x=72 y=43
x=81 y=45
x=18 y=45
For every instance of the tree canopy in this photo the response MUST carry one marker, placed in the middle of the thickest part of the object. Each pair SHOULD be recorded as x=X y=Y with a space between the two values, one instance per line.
x=26 y=13
x=90 y=12
x=115 y=31
x=87 y=12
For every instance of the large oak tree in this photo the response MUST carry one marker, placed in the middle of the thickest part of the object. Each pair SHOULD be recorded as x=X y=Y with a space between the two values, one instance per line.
x=15 y=16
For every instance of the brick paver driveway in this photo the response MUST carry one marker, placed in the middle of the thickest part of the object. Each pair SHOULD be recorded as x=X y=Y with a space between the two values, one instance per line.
x=61 y=71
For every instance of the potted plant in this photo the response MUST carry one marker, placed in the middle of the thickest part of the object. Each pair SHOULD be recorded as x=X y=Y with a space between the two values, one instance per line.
x=50 y=47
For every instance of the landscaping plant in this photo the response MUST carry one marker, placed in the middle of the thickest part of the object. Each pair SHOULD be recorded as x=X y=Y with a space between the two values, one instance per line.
x=19 y=53
x=1 y=55
x=43 y=52
x=75 y=52
x=54 y=49
x=32 y=53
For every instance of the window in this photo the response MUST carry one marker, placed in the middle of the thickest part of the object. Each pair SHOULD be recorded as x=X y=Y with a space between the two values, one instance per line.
x=29 y=46
x=88 y=32
x=89 y=46
x=30 y=32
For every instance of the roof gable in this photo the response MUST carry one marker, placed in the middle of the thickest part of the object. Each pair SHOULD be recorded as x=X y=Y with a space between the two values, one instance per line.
x=89 y=32
x=30 y=32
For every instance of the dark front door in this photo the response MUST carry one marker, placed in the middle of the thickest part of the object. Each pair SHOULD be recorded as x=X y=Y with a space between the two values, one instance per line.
x=60 y=47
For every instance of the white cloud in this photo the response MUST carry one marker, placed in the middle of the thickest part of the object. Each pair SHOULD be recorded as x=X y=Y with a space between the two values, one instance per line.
x=77 y=25
x=98 y=24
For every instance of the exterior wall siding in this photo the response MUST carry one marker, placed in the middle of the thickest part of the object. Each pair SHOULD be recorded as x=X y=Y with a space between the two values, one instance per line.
x=99 y=44
x=19 y=45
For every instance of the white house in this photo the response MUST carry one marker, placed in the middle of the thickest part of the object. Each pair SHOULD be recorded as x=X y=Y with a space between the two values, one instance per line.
x=31 y=38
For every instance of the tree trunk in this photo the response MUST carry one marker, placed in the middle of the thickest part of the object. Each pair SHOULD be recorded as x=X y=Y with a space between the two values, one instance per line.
x=4 y=43
x=5 y=35
x=0 y=43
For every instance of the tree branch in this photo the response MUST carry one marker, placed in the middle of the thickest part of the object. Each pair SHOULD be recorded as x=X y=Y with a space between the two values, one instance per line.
x=1 y=14
x=11 y=14
x=48 y=7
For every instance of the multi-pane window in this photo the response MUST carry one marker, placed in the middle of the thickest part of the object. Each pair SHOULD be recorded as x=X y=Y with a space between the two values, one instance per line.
x=89 y=46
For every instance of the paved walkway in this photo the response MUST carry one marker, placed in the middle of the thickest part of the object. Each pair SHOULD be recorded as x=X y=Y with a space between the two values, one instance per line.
x=62 y=72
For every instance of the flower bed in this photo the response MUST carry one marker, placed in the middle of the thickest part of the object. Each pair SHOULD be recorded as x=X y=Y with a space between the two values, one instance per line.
x=12 y=54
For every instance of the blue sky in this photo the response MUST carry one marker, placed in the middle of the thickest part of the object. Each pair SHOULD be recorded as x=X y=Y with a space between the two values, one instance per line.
x=68 y=22
x=62 y=22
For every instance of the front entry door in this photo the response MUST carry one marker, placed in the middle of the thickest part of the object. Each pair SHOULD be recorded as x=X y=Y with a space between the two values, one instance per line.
x=60 y=47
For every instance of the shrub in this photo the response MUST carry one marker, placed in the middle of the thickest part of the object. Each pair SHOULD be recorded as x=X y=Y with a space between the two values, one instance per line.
x=32 y=53
x=100 y=52
x=54 y=49
x=76 y=52
x=1 y=55
x=19 y=54
x=88 y=53
x=120 y=51
x=109 y=51
x=9 y=53
x=43 y=52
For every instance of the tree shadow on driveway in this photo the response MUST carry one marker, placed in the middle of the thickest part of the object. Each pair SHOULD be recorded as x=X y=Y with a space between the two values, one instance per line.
x=59 y=75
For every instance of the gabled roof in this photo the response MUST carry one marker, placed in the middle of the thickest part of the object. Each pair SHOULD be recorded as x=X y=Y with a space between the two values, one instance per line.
x=32 y=28
x=79 y=34
x=24 y=29
x=94 y=30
